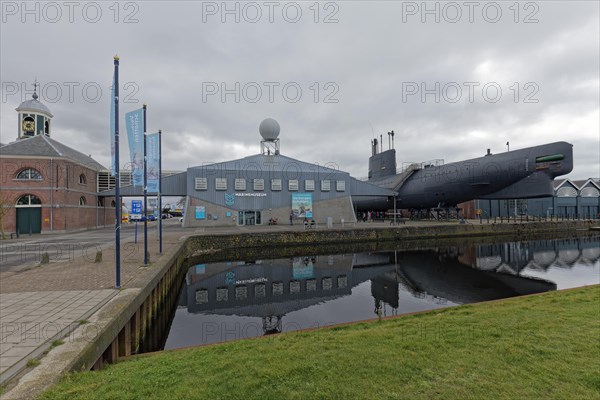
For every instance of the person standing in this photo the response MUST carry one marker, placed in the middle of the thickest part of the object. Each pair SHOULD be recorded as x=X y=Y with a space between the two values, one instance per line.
x=291 y=218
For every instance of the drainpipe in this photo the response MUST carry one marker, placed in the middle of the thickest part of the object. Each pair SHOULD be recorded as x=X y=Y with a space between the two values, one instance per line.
x=51 y=194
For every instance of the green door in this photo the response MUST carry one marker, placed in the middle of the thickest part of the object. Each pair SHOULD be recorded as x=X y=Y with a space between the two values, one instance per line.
x=29 y=220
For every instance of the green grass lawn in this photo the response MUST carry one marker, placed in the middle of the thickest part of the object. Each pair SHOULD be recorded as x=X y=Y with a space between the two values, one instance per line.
x=537 y=347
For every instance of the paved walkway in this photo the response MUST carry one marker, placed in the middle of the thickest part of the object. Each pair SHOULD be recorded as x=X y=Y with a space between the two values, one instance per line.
x=32 y=320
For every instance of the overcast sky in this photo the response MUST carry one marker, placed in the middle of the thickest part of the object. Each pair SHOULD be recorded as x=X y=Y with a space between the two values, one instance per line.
x=362 y=67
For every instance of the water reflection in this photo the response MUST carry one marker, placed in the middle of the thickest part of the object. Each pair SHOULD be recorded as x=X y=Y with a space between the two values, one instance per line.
x=220 y=301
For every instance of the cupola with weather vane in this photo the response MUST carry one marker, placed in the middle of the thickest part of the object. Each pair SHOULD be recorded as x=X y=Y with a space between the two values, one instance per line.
x=34 y=117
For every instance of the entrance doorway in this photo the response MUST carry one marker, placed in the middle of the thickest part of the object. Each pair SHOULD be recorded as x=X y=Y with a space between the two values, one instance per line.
x=249 y=218
x=29 y=214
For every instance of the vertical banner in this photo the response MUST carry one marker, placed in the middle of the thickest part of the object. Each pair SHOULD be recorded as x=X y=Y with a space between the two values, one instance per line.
x=135 y=133
x=302 y=205
x=152 y=161
x=112 y=126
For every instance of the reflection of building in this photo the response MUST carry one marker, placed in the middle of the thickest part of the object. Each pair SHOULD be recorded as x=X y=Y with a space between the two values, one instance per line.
x=274 y=288
x=539 y=255
x=46 y=185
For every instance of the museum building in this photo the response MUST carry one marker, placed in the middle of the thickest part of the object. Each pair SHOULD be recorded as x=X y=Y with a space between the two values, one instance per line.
x=266 y=188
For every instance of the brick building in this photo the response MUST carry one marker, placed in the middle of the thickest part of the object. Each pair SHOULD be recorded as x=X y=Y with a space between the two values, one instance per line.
x=45 y=185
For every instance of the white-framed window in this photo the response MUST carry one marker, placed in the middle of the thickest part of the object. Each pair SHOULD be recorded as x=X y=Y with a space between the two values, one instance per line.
x=325 y=185
x=240 y=184
x=201 y=184
x=275 y=184
x=82 y=201
x=29 y=174
x=293 y=185
x=259 y=184
x=220 y=183
x=309 y=185
x=340 y=186
x=29 y=200
x=82 y=179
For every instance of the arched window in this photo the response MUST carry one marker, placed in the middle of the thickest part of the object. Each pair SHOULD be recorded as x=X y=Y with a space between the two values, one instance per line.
x=567 y=191
x=82 y=179
x=29 y=200
x=47 y=128
x=113 y=204
x=590 y=191
x=82 y=201
x=29 y=174
x=100 y=201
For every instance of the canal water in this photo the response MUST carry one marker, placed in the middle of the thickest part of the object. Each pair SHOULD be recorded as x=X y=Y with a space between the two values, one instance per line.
x=242 y=299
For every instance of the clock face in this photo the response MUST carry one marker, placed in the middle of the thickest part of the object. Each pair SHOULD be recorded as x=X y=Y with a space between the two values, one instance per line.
x=28 y=126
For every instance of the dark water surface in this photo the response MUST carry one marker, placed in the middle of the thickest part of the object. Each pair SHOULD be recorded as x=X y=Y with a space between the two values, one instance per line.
x=241 y=299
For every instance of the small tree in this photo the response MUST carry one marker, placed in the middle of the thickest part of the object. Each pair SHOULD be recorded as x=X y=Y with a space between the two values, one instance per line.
x=4 y=209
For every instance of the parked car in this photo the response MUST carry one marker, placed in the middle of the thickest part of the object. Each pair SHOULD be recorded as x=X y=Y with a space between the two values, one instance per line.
x=151 y=217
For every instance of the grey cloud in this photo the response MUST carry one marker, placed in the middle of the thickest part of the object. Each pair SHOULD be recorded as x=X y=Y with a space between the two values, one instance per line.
x=170 y=53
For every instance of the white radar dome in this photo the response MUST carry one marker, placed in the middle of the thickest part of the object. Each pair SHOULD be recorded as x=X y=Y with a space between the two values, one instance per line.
x=269 y=129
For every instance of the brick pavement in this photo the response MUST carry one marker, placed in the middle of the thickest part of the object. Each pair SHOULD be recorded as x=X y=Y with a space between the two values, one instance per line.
x=32 y=320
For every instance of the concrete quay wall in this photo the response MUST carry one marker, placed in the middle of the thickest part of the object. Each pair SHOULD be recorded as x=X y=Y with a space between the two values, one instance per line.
x=379 y=233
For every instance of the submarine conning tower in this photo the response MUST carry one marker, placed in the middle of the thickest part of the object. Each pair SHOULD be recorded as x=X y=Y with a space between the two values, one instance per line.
x=382 y=163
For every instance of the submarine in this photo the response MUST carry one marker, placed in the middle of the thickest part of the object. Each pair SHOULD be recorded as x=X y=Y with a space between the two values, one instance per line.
x=516 y=174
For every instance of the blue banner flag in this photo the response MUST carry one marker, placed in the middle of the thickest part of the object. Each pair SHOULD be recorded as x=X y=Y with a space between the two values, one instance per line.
x=152 y=163
x=112 y=128
x=134 y=122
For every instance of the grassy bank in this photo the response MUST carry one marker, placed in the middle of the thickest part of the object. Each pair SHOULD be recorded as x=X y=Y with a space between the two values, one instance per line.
x=545 y=346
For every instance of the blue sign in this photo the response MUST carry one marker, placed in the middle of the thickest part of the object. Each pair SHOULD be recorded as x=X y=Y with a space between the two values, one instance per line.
x=200 y=212
x=136 y=207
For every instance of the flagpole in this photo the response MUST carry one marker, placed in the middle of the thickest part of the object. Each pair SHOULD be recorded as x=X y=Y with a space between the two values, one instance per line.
x=117 y=180
x=160 y=190
x=145 y=196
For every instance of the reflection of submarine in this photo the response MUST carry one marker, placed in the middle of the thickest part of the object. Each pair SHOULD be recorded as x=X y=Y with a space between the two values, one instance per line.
x=518 y=174
x=447 y=278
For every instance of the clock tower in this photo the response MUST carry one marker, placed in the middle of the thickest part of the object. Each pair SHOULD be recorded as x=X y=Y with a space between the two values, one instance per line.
x=34 y=117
